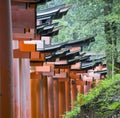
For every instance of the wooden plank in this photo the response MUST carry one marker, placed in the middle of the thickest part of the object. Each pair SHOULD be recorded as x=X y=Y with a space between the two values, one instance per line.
x=74 y=75
x=75 y=49
x=23 y=36
x=61 y=75
x=36 y=63
x=51 y=64
x=45 y=69
x=48 y=73
x=63 y=62
x=76 y=66
x=26 y=47
x=19 y=54
x=37 y=56
x=80 y=82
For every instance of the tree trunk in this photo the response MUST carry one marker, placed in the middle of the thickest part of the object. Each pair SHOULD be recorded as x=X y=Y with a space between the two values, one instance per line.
x=110 y=31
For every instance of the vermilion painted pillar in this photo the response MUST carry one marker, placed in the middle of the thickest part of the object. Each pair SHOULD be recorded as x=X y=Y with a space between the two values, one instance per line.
x=6 y=61
x=73 y=93
x=28 y=98
x=41 y=97
x=16 y=89
x=50 y=97
x=45 y=99
x=56 y=98
x=35 y=95
x=16 y=84
x=67 y=95
x=62 y=104
x=25 y=101
x=67 y=92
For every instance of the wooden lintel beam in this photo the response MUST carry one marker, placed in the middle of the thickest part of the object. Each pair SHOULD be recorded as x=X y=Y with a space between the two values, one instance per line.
x=31 y=46
x=45 y=69
x=36 y=63
x=19 y=54
x=49 y=64
x=80 y=82
x=23 y=36
x=63 y=75
x=63 y=62
x=75 y=48
x=79 y=71
x=27 y=47
x=48 y=73
x=76 y=66
x=63 y=79
x=34 y=75
x=62 y=66
x=37 y=56
x=74 y=76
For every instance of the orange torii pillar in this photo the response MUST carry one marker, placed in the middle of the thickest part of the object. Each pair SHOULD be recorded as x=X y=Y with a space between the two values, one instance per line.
x=36 y=95
x=45 y=99
x=16 y=84
x=56 y=98
x=73 y=92
x=50 y=97
x=62 y=100
x=25 y=101
x=6 y=61
x=67 y=91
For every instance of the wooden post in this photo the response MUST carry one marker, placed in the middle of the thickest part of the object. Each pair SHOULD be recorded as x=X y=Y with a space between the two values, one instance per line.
x=41 y=97
x=50 y=97
x=16 y=84
x=6 y=61
x=56 y=98
x=36 y=96
x=16 y=89
x=33 y=95
x=67 y=95
x=73 y=92
x=62 y=105
x=28 y=98
x=24 y=88
x=67 y=91
x=45 y=97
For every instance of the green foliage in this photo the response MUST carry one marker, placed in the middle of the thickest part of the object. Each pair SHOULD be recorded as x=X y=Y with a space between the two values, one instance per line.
x=104 y=98
x=86 y=17
x=114 y=106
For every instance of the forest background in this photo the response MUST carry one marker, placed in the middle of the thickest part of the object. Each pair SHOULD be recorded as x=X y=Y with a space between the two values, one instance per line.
x=100 y=18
